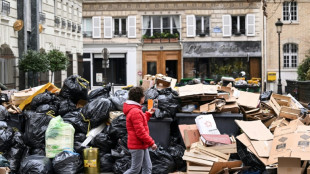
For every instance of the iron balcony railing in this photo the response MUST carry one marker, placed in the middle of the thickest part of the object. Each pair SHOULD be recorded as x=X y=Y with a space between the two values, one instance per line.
x=57 y=21
x=79 y=29
x=5 y=10
x=203 y=32
x=120 y=33
x=42 y=17
x=63 y=23
x=73 y=27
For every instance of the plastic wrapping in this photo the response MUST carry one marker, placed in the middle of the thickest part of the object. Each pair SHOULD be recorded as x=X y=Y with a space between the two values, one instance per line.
x=36 y=164
x=43 y=98
x=75 y=88
x=79 y=138
x=47 y=107
x=4 y=162
x=103 y=142
x=66 y=106
x=117 y=129
x=78 y=121
x=67 y=162
x=58 y=137
x=151 y=93
x=6 y=138
x=177 y=151
x=265 y=96
x=188 y=108
x=97 y=111
x=102 y=92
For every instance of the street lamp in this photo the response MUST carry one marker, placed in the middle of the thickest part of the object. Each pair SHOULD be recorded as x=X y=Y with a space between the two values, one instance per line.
x=105 y=63
x=279 y=25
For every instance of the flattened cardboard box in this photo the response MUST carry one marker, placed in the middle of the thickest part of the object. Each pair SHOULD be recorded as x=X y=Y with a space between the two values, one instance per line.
x=289 y=165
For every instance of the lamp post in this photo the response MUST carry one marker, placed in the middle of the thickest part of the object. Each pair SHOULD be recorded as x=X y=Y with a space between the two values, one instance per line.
x=279 y=25
x=105 y=62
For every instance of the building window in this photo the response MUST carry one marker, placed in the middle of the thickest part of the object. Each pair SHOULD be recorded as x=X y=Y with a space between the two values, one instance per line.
x=5 y=10
x=290 y=11
x=290 y=53
x=42 y=17
x=57 y=21
x=155 y=25
x=202 y=25
x=87 y=27
x=120 y=25
x=238 y=25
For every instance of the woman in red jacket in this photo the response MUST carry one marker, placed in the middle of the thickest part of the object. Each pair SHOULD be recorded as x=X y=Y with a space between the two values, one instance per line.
x=139 y=139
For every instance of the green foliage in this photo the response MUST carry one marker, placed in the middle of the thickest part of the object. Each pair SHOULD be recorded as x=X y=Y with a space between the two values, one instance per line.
x=303 y=70
x=34 y=61
x=157 y=35
x=145 y=37
x=58 y=61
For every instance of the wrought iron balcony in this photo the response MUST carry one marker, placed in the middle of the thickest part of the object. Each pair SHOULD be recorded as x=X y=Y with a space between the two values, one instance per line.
x=57 y=21
x=203 y=33
x=87 y=33
x=120 y=33
x=69 y=25
x=42 y=17
x=63 y=23
x=5 y=10
x=73 y=27
x=79 y=29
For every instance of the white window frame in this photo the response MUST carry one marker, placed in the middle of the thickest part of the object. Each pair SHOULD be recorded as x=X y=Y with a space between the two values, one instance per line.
x=202 y=23
x=290 y=55
x=84 y=25
x=119 y=24
x=238 y=24
x=289 y=8
x=161 y=24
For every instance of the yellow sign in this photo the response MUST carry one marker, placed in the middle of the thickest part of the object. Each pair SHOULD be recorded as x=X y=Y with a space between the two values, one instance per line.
x=272 y=76
x=18 y=25
x=90 y=163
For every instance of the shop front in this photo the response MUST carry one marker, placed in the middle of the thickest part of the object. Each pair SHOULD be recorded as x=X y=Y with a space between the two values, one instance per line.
x=213 y=60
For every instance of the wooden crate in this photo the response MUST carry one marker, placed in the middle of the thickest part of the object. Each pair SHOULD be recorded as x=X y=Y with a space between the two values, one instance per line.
x=284 y=106
x=194 y=168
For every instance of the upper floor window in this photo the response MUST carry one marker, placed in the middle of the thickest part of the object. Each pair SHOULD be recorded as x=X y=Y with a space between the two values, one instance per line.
x=290 y=11
x=120 y=26
x=238 y=25
x=87 y=27
x=202 y=25
x=155 y=25
x=5 y=10
x=290 y=53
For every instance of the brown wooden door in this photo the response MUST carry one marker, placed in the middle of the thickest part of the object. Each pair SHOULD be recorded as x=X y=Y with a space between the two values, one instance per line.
x=151 y=62
x=255 y=67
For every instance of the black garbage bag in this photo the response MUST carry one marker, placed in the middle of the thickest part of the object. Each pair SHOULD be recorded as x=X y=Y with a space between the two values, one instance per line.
x=78 y=121
x=35 y=127
x=75 y=88
x=103 y=142
x=151 y=93
x=4 y=162
x=117 y=129
x=79 y=138
x=106 y=162
x=3 y=124
x=119 y=99
x=65 y=106
x=15 y=154
x=102 y=92
x=43 y=98
x=177 y=151
x=16 y=121
x=97 y=111
x=3 y=113
x=168 y=91
x=162 y=161
x=47 y=107
x=37 y=151
x=36 y=164
x=122 y=165
x=160 y=114
x=249 y=159
x=168 y=103
x=6 y=138
x=67 y=162
x=265 y=96
x=121 y=148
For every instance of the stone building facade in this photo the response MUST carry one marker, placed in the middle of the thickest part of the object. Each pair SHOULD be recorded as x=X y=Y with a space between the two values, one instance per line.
x=294 y=43
x=208 y=33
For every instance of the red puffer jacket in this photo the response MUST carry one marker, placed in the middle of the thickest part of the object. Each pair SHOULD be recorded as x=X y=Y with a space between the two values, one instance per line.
x=137 y=128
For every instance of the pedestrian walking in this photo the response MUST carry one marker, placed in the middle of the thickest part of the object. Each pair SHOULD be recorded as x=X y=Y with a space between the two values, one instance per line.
x=139 y=139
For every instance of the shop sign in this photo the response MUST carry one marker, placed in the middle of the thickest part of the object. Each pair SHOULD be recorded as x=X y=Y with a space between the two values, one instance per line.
x=222 y=49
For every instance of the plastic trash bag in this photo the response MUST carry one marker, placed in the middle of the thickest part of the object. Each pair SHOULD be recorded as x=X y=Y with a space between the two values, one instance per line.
x=79 y=138
x=122 y=165
x=6 y=138
x=168 y=103
x=119 y=99
x=75 y=88
x=151 y=93
x=78 y=121
x=37 y=151
x=102 y=92
x=43 y=98
x=4 y=162
x=117 y=129
x=36 y=164
x=188 y=108
x=265 y=96
x=66 y=106
x=103 y=142
x=67 y=162
x=16 y=121
x=177 y=151
x=58 y=136
x=47 y=107
x=3 y=124
x=159 y=114
x=3 y=113
x=97 y=111
x=35 y=127
x=106 y=162
x=168 y=91
x=162 y=161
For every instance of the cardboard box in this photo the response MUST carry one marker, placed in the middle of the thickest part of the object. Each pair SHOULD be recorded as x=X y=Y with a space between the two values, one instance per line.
x=190 y=134
x=291 y=166
x=247 y=99
x=146 y=84
x=199 y=89
x=284 y=106
x=206 y=124
x=4 y=170
x=218 y=166
x=233 y=108
x=162 y=83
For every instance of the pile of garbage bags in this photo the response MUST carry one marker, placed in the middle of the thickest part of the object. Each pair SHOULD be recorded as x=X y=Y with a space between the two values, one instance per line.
x=32 y=141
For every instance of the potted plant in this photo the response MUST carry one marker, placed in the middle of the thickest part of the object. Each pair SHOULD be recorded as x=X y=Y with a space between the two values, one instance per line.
x=57 y=61
x=156 y=37
x=174 y=37
x=146 y=39
x=165 y=37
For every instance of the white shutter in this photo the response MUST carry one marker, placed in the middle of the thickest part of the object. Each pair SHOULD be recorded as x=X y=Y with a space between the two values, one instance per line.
x=191 y=25
x=226 y=25
x=250 y=24
x=131 y=27
x=96 y=27
x=108 y=27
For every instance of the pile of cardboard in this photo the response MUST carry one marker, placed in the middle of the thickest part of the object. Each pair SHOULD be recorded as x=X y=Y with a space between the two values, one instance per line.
x=159 y=81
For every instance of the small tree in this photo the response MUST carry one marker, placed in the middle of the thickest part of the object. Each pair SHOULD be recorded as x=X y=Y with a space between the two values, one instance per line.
x=57 y=61
x=33 y=61
x=304 y=68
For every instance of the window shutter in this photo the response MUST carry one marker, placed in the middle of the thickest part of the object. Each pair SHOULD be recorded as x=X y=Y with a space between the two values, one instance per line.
x=250 y=24
x=226 y=25
x=131 y=22
x=190 y=25
x=108 y=27
x=96 y=27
